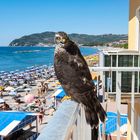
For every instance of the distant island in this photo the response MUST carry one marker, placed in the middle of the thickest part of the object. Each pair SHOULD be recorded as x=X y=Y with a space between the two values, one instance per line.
x=47 y=39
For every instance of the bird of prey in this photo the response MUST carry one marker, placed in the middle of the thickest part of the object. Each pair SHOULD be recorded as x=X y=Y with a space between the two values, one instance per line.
x=73 y=73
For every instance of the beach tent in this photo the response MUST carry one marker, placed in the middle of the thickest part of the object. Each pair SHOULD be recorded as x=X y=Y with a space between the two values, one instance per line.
x=11 y=122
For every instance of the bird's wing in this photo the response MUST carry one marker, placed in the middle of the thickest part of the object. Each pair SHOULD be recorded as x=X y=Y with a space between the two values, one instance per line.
x=77 y=61
x=80 y=66
x=73 y=72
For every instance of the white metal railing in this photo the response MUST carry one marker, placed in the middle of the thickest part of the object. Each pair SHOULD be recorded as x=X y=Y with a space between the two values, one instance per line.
x=119 y=70
x=69 y=121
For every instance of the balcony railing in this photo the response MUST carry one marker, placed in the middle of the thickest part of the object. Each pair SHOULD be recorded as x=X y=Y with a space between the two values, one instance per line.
x=69 y=122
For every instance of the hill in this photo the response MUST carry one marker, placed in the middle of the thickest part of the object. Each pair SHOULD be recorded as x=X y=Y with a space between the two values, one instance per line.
x=47 y=38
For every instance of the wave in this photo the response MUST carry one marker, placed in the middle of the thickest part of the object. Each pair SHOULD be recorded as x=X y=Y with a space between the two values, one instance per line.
x=27 y=51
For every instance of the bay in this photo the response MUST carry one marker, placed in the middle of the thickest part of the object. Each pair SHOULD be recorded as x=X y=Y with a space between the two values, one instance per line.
x=13 y=58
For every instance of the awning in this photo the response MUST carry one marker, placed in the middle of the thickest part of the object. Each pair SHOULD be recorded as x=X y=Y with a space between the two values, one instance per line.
x=60 y=93
x=11 y=122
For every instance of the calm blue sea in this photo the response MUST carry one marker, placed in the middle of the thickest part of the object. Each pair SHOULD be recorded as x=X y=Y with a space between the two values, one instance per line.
x=13 y=58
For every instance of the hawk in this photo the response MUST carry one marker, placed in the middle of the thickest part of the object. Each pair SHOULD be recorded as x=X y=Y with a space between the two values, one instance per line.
x=73 y=73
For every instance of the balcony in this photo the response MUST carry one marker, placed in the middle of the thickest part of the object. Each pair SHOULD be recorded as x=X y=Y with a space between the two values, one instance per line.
x=123 y=121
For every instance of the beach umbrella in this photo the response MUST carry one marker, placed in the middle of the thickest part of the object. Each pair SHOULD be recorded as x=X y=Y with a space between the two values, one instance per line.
x=11 y=72
x=2 y=71
x=7 y=79
x=27 y=89
x=9 y=88
x=53 y=85
x=2 y=77
x=1 y=100
x=14 y=77
x=13 y=93
x=65 y=98
x=1 y=88
x=29 y=98
x=58 y=83
x=5 y=73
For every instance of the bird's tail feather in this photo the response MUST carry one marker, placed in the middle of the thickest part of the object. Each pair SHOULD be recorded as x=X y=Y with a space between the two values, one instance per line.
x=91 y=117
x=95 y=113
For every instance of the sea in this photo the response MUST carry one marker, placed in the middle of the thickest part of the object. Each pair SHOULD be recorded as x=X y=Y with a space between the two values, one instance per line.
x=19 y=58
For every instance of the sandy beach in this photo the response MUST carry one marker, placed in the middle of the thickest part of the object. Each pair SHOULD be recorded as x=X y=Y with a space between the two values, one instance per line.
x=43 y=98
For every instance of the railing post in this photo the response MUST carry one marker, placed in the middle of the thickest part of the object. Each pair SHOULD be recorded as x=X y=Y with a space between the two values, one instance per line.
x=105 y=97
x=88 y=132
x=118 y=101
x=132 y=105
x=99 y=131
x=78 y=124
x=82 y=123
x=74 y=135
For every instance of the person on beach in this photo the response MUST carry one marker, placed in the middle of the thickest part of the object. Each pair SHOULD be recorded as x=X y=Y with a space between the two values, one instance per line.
x=41 y=89
x=1 y=91
x=100 y=93
x=1 y=95
x=39 y=92
x=5 y=106
x=44 y=102
x=100 y=89
x=41 y=115
x=46 y=87
x=38 y=103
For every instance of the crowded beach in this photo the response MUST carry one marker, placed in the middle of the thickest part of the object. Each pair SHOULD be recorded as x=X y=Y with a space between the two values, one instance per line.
x=31 y=90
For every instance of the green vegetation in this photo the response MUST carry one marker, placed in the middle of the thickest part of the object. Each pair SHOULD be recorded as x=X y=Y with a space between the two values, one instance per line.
x=47 y=38
x=125 y=46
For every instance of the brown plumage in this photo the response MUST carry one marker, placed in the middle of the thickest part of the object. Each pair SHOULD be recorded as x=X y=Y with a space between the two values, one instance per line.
x=73 y=73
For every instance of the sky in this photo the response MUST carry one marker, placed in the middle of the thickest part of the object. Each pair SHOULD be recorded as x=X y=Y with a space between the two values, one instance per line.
x=24 y=17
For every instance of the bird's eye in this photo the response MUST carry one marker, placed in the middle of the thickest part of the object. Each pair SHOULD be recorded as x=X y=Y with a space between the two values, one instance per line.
x=64 y=40
x=58 y=38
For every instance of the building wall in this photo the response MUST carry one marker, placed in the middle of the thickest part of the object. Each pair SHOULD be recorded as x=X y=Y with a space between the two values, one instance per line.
x=133 y=26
